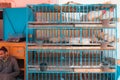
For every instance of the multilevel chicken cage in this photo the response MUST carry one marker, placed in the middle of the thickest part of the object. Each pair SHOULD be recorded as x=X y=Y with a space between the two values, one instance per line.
x=71 y=42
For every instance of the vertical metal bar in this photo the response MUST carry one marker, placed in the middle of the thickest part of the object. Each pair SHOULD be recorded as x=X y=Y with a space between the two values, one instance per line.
x=87 y=13
x=81 y=56
x=64 y=7
x=96 y=76
x=77 y=76
x=66 y=58
x=86 y=52
x=61 y=58
x=27 y=76
x=49 y=76
x=96 y=57
x=116 y=51
x=73 y=14
x=42 y=55
x=53 y=57
x=92 y=76
x=47 y=15
x=89 y=59
x=42 y=13
x=73 y=57
x=61 y=14
x=38 y=76
x=53 y=15
x=81 y=35
x=83 y=18
x=88 y=76
x=57 y=60
x=85 y=76
x=100 y=76
x=94 y=14
x=92 y=58
x=37 y=16
x=50 y=56
x=57 y=76
x=35 y=58
x=80 y=76
x=69 y=58
x=68 y=13
x=72 y=76
x=69 y=76
x=38 y=57
x=104 y=77
x=77 y=60
x=79 y=13
x=112 y=76
x=53 y=76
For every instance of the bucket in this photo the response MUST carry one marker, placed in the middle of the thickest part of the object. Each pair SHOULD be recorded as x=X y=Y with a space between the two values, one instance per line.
x=43 y=66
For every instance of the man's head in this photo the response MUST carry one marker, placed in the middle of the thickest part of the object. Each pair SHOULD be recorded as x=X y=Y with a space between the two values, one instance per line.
x=3 y=52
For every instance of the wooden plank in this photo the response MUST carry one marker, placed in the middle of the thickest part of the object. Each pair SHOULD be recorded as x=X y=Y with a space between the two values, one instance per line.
x=95 y=25
x=70 y=47
x=73 y=44
x=68 y=23
x=94 y=70
x=72 y=25
x=12 y=43
x=83 y=70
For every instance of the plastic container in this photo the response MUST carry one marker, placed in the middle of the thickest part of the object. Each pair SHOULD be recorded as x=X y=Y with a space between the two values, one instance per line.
x=43 y=66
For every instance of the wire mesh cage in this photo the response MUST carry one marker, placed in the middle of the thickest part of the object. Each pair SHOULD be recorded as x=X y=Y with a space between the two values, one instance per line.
x=73 y=13
x=73 y=24
x=71 y=60
x=75 y=36
x=72 y=42
x=72 y=76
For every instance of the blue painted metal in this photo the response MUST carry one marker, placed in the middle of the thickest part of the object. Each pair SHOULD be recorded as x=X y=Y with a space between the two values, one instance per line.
x=118 y=72
x=14 y=21
x=54 y=23
x=117 y=68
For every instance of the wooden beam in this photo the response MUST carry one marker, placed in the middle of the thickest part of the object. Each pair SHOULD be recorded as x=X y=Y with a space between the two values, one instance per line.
x=70 y=47
x=94 y=70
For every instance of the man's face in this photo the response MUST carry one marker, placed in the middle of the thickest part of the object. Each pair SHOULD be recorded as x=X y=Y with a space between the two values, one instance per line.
x=2 y=54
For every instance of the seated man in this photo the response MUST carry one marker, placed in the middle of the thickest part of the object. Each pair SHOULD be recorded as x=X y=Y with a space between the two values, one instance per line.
x=9 y=69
